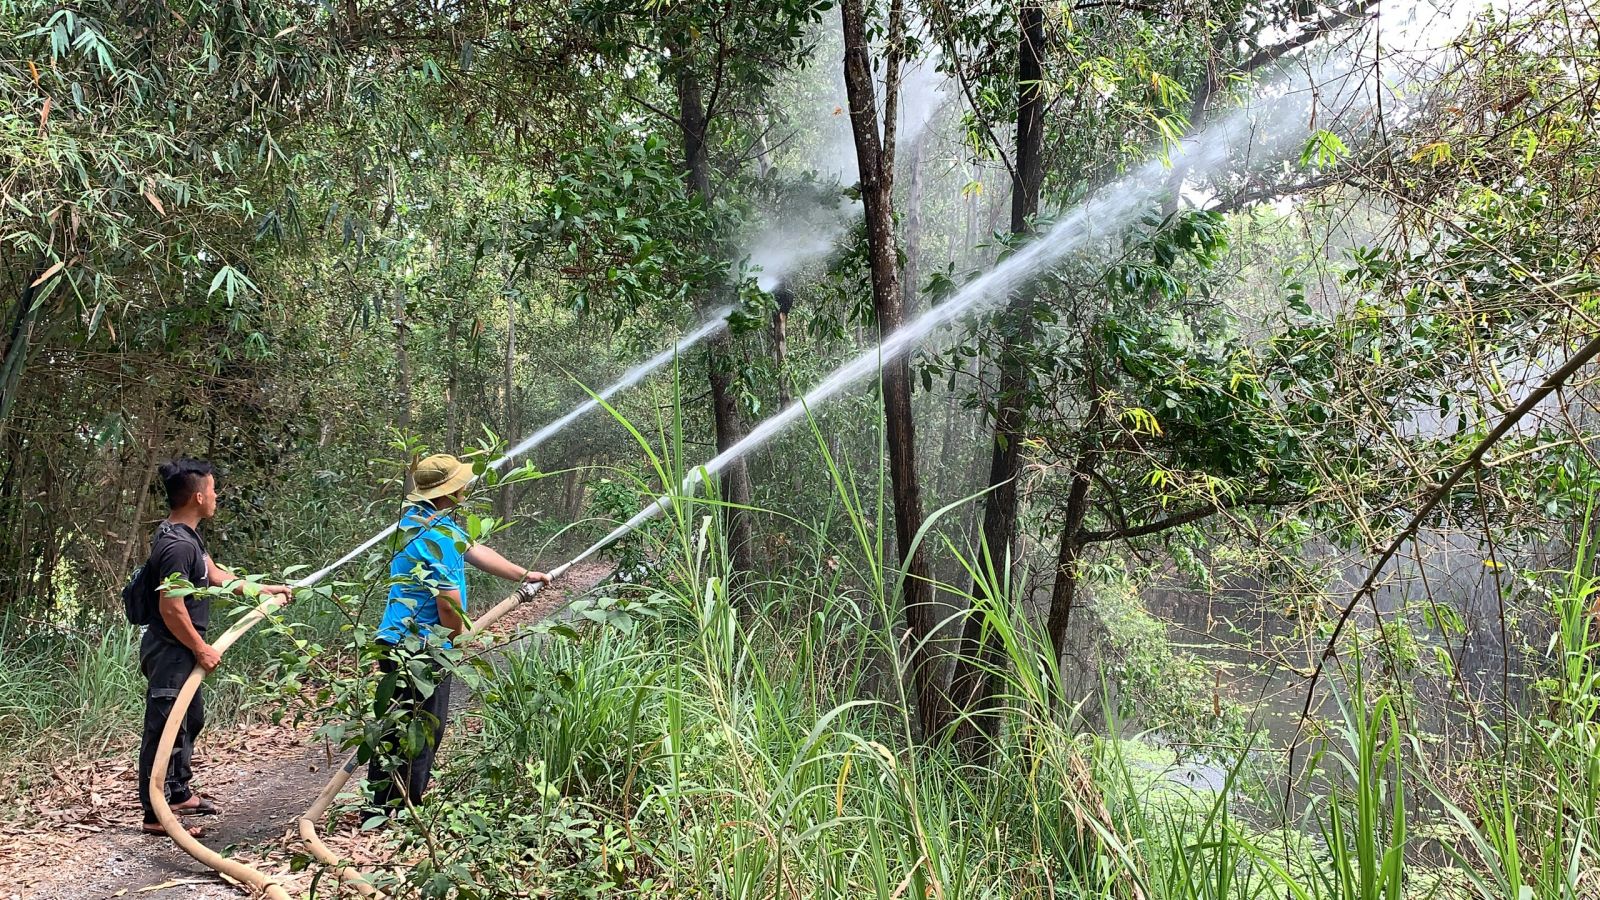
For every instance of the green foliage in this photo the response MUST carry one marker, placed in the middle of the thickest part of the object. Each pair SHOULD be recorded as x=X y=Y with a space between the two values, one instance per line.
x=702 y=752
x=1154 y=683
x=65 y=693
x=620 y=226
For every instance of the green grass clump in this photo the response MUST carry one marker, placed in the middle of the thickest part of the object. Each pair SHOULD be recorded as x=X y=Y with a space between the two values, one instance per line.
x=64 y=694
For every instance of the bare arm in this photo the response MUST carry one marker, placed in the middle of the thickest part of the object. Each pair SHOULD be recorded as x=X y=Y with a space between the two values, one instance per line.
x=176 y=617
x=220 y=576
x=487 y=559
x=450 y=614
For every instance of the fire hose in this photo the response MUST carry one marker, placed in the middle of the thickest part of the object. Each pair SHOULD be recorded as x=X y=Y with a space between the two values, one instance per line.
x=307 y=822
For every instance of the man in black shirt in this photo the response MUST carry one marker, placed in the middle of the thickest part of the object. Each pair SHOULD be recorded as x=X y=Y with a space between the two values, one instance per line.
x=175 y=642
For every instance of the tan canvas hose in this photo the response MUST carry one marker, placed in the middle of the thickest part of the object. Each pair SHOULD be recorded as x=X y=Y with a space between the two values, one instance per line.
x=308 y=820
x=169 y=736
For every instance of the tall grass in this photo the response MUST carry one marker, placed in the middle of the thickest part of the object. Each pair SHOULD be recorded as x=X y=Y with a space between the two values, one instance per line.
x=753 y=740
x=64 y=693
x=1531 y=823
x=740 y=737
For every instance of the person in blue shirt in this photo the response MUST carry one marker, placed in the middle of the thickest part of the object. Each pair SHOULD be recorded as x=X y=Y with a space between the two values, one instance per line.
x=427 y=599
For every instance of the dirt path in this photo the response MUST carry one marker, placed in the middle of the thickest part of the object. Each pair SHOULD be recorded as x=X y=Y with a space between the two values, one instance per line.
x=263 y=776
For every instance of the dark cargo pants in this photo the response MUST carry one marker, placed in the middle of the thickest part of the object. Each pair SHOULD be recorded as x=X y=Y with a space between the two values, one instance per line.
x=166 y=665
x=410 y=778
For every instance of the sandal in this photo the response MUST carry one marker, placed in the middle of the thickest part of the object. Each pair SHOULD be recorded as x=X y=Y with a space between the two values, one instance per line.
x=202 y=807
x=194 y=831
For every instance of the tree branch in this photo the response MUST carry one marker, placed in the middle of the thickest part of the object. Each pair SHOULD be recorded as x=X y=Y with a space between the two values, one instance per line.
x=966 y=90
x=1271 y=192
x=1186 y=517
x=1474 y=459
x=653 y=108
x=1267 y=55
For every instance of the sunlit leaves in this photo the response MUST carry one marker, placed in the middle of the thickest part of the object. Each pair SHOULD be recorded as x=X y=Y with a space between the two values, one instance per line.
x=232 y=283
x=1323 y=150
x=1141 y=420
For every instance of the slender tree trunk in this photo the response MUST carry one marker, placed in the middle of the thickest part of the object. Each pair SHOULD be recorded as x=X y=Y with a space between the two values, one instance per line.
x=10 y=513
x=50 y=540
x=735 y=482
x=781 y=346
x=572 y=491
x=507 y=499
x=452 y=388
x=763 y=153
x=948 y=471
x=952 y=477
x=19 y=343
x=970 y=244
x=1064 y=592
x=912 y=276
x=402 y=367
x=875 y=163
x=976 y=680
x=136 y=536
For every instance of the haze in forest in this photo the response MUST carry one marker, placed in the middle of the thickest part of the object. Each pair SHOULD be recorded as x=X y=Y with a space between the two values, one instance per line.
x=1163 y=470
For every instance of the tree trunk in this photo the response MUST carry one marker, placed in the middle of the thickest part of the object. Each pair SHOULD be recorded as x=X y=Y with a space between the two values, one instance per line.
x=952 y=478
x=976 y=681
x=1065 y=589
x=19 y=342
x=572 y=491
x=735 y=481
x=913 y=272
x=875 y=163
x=402 y=366
x=969 y=254
x=452 y=387
x=11 y=512
x=763 y=152
x=50 y=540
x=780 y=356
x=507 y=498
x=136 y=536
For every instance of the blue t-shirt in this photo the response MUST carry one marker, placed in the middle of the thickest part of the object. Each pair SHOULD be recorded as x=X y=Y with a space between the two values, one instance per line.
x=430 y=561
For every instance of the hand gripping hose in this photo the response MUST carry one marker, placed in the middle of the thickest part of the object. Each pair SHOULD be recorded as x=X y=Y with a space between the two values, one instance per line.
x=307 y=823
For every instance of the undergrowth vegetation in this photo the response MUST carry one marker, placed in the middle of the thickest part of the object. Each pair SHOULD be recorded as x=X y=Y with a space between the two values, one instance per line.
x=700 y=740
x=690 y=756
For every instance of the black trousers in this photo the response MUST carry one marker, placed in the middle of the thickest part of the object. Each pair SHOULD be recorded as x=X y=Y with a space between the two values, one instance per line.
x=410 y=778
x=166 y=665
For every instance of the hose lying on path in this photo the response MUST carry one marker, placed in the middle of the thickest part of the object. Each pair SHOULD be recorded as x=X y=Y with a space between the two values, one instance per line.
x=307 y=822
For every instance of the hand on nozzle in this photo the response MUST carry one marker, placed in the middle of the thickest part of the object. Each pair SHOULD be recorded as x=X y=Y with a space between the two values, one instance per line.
x=281 y=590
x=533 y=577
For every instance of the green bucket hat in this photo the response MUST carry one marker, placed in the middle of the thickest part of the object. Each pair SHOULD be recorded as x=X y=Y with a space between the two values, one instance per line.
x=438 y=476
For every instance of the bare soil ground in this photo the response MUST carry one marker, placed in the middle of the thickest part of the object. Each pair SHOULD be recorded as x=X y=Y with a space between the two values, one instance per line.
x=83 y=841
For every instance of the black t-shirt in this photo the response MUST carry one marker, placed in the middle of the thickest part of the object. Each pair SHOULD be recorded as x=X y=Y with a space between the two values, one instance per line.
x=178 y=549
